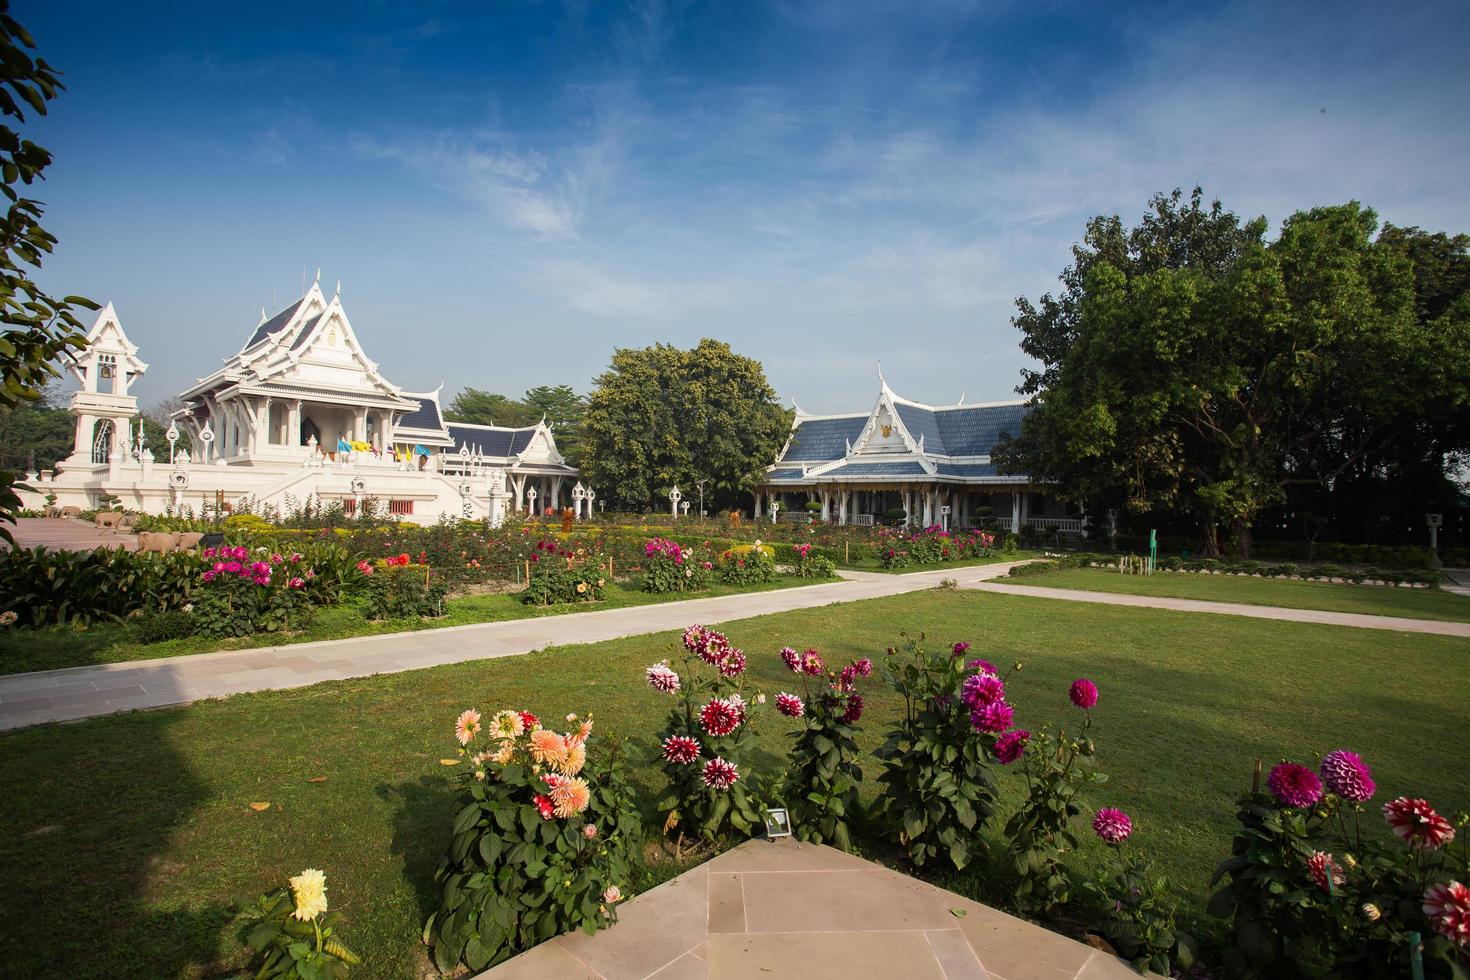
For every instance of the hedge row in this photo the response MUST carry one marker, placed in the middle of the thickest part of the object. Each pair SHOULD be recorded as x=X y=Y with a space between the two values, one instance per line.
x=1305 y=572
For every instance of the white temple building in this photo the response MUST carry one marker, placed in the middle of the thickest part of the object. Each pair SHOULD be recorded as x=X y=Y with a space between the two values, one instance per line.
x=931 y=461
x=299 y=412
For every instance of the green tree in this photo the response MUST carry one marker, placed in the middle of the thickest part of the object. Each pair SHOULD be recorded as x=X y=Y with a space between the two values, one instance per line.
x=38 y=329
x=1192 y=365
x=661 y=416
x=35 y=433
x=478 y=407
x=564 y=409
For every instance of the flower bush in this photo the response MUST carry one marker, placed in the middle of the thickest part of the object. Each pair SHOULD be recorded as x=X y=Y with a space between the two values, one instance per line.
x=291 y=932
x=748 y=564
x=933 y=545
x=244 y=593
x=559 y=574
x=1307 y=892
x=937 y=789
x=1134 y=909
x=1040 y=832
x=670 y=567
x=821 y=785
x=812 y=564
x=707 y=738
x=401 y=590
x=542 y=843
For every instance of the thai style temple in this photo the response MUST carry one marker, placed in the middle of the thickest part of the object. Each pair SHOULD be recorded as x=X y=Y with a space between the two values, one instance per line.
x=931 y=461
x=299 y=411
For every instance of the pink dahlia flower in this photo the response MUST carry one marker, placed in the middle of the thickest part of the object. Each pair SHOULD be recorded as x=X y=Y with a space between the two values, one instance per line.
x=714 y=648
x=719 y=717
x=864 y=667
x=812 y=663
x=1348 y=776
x=589 y=831
x=854 y=710
x=984 y=666
x=661 y=677
x=719 y=774
x=1417 y=824
x=681 y=749
x=733 y=664
x=1010 y=746
x=545 y=806
x=1083 y=693
x=792 y=659
x=467 y=726
x=790 y=705
x=1295 y=785
x=960 y=648
x=1321 y=865
x=1447 y=906
x=982 y=689
x=693 y=638
x=993 y=717
x=1112 y=825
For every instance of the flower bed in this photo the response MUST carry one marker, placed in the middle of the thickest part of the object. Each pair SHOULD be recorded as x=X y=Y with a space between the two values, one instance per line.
x=901 y=548
x=1410 y=578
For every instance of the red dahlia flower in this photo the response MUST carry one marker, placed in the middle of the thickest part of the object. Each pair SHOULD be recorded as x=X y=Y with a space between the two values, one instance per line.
x=1083 y=693
x=993 y=717
x=1010 y=746
x=681 y=749
x=1321 y=865
x=719 y=717
x=719 y=774
x=790 y=705
x=1416 y=823
x=1447 y=907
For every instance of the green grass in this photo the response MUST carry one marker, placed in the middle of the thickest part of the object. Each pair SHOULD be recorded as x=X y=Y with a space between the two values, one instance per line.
x=105 y=643
x=122 y=837
x=1373 y=600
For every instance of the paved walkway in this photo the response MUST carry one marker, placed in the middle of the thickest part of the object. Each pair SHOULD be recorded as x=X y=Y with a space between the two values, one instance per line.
x=1400 y=624
x=1457 y=581
x=80 y=692
x=774 y=909
x=68 y=534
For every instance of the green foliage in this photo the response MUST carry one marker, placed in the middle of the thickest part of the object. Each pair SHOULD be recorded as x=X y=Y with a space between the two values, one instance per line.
x=662 y=416
x=287 y=948
x=1056 y=768
x=748 y=564
x=689 y=804
x=232 y=605
x=515 y=874
x=561 y=577
x=811 y=563
x=40 y=431
x=821 y=784
x=38 y=329
x=156 y=626
x=937 y=788
x=402 y=592
x=560 y=406
x=1136 y=910
x=58 y=588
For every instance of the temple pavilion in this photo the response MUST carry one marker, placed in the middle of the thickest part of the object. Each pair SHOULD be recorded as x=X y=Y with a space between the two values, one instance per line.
x=933 y=462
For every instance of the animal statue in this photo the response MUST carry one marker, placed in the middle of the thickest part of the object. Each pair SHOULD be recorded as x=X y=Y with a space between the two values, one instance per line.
x=159 y=542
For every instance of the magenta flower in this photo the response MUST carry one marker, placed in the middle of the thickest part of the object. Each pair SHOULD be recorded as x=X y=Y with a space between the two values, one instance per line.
x=812 y=663
x=1321 y=865
x=733 y=664
x=960 y=648
x=1348 y=776
x=661 y=677
x=719 y=774
x=993 y=717
x=1112 y=825
x=792 y=659
x=982 y=689
x=1010 y=746
x=681 y=749
x=854 y=710
x=1295 y=785
x=790 y=705
x=864 y=667
x=984 y=666
x=1083 y=693
x=693 y=638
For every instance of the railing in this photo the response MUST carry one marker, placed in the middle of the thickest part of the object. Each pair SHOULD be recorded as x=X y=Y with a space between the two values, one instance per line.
x=1057 y=523
x=861 y=520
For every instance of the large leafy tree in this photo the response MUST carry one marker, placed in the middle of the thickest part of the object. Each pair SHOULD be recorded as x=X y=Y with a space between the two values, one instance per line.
x=661 y=416
x=488 y=408
x=37 y=329
x=563 y=408
x=1192 y=365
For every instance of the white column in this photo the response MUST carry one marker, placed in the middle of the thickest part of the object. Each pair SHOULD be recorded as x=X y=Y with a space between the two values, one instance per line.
x=826 y=498
x=842 y=506
x=519 y=483
x=556 y=493
x=1015 y=512
x=756 y=507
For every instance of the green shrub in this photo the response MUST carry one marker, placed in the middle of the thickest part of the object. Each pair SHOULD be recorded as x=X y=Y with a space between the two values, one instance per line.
x=670 y=567
x=403 y=592
x=57 y=588
x=748 y=564
x=821 y=785
x=528 y=859
x=1034 y=568
x=811 y=564
x=560 y=578
x=156 y=626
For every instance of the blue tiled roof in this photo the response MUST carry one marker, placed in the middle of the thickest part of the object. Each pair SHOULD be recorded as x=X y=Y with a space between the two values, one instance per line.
x=491 y=441
x=860 y=470
x=273 y=324
x=306 y=331
x=975 y=431
x=778 y=475
x=968 y=469
x=921 y=423
x=823 y=439
x=426 y=416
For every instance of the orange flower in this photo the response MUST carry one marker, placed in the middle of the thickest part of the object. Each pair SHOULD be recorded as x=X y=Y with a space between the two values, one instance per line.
x=548 y=746
x=570 y=797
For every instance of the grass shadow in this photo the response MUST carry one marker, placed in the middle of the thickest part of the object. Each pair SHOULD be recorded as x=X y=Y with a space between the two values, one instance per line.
x=424 y=809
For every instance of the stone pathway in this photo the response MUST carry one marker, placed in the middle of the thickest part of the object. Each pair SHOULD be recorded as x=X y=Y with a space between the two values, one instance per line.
x=68 y=534
x=80 y=692
x=1400 y=624
x=774 y=909
x=1458 y=581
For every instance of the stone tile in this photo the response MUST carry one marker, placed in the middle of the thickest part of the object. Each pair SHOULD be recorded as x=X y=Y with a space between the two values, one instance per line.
x=726 y=903
x=834 y=901
x=686 y=967
x=34 y=697
x=1018 y=950
x=955 y=957
x=653 y=930
x=823 y=956
x=785 y=854
x=1105 y=966
x=96 y=697
x=545 y=962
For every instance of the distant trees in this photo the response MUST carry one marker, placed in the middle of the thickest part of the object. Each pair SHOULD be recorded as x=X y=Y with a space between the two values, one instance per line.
x=559 y=405
x=661 y=416
x=1191 y=365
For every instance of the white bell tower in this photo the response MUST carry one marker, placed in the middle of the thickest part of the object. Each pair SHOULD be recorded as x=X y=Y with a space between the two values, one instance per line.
x=103 y=408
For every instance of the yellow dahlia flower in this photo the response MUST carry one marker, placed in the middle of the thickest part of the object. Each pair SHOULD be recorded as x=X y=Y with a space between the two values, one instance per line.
x=309 y=893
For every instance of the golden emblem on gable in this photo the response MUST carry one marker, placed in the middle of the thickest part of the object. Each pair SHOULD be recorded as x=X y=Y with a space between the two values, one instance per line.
x=887 y=430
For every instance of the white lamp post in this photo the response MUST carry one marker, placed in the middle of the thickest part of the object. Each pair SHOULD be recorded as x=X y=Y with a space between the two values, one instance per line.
x=591 y=496
x=531 y=501
x=579 y=496
x=172 y=435
x=1435 y=521
x=775 y=506
x=674 y=498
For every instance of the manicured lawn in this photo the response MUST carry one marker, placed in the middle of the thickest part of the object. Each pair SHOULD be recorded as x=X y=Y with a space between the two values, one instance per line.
x=27 y=650
x=123 y=837
x=872 y=564
x=1373 y=600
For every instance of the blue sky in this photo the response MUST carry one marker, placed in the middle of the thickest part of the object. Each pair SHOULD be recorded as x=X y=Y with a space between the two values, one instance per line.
x=508 y=190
